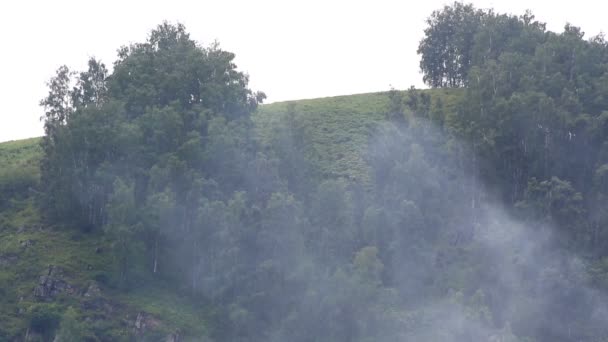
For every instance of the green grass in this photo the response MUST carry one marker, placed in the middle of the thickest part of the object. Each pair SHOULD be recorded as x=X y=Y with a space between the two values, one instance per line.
x=19 y=171
x=337 y=129
x=19 y=159
x=20 y=152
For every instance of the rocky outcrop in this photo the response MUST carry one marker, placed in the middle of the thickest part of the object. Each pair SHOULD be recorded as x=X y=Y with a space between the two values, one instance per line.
x=26 y=243
x=51 y=284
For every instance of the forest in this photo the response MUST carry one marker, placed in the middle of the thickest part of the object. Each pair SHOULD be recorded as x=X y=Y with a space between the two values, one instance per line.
x=166 y=202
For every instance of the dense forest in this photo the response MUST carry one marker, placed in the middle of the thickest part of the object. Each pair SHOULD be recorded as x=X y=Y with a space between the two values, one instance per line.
x=476 y=210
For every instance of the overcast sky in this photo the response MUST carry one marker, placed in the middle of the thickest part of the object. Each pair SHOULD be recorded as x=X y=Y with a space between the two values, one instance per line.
x=291 y=49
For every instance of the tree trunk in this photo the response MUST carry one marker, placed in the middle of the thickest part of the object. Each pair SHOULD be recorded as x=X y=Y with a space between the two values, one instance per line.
x=155 y=254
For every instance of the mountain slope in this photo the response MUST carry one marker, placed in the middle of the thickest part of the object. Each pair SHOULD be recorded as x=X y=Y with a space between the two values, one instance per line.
x=337 y=129
x=44 y=269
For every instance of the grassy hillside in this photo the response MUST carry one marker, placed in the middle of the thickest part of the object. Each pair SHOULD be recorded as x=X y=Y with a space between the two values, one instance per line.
x=18 y=166
x=336 y=129
x=45 y=270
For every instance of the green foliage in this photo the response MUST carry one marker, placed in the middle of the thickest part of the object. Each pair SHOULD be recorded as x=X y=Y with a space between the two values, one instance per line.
x=44 y=318
x=70 y=329
x=460 y=37
x=330 y=132
x=83 y=258
x=163 y=98
x=554 y=200
x=353 y=218
x=447 y=46
x=20 y=173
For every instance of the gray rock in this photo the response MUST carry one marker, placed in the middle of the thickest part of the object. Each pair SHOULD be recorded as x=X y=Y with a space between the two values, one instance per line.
x=26 y=243
x=93 y=290
x=51 y=284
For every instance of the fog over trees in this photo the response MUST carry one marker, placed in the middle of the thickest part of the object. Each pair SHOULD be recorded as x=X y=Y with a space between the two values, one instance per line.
x=476 y=210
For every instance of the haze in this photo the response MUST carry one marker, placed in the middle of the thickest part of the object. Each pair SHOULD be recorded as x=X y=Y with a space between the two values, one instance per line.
x=291 y=50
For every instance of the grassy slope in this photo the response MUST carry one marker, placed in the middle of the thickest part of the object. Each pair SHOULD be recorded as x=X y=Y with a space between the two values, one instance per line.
x=335 y=129
x=19 y=162
x=76 y=255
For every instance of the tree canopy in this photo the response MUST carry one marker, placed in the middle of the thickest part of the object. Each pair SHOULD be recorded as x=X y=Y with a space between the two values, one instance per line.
x=453 y=215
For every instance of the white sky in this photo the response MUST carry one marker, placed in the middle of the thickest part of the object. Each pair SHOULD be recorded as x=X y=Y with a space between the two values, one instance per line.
x=291 y=49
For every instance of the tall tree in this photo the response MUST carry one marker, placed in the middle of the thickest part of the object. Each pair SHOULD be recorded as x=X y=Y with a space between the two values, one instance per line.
x=446 y=49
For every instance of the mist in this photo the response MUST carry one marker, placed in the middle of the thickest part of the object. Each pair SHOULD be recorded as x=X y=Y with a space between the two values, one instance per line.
x=472 y=211
x=419 y=250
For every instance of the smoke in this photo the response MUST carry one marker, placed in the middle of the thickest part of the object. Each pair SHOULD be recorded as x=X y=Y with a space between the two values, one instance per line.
x=491 y=276
x=421 y=252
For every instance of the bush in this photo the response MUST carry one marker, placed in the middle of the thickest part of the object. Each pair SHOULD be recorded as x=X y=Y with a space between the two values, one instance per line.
x=72 y=329
x=44 y=318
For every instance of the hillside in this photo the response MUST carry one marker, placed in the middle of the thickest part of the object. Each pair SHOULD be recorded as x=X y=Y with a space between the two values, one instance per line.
x=171 y=204
x=45 y=269
x=337 y=129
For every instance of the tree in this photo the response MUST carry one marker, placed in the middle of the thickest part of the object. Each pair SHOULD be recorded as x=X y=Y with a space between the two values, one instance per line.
x=446 y=50
x=123 y=229
x=171 y=67
x=554 y=201
x=91 y=87
x=58 y=103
